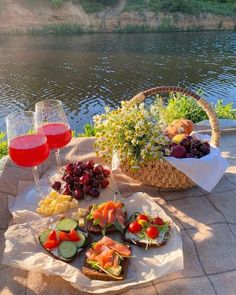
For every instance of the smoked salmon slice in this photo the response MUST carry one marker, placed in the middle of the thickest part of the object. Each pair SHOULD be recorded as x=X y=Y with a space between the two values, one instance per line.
x=109 y=212
x=118 y=247
x=105 y=252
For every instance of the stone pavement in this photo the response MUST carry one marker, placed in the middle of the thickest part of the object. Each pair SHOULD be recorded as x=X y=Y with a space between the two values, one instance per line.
x=208 y=229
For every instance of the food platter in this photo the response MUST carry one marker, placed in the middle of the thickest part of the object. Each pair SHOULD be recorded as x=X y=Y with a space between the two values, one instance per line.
x=146 y=265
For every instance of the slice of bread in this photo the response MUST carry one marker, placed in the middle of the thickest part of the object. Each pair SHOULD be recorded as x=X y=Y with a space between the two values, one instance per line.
x=94 y=274
x=97 y=229
x=138 y=243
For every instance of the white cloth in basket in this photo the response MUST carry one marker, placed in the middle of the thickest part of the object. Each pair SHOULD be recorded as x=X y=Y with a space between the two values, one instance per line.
x=206 y=171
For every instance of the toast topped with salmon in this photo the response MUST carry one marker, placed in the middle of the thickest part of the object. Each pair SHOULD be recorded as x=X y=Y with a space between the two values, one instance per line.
x=146 y=231
x=107 y=260
x=106 y=218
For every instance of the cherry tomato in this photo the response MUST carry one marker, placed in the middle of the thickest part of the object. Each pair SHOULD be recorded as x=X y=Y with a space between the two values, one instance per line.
x=74 y=236
x=158 y=221
x=50 y=244
x=52 y=235
x=64 y=236
x=134 y=227
x=142 y=217
x=152 y=232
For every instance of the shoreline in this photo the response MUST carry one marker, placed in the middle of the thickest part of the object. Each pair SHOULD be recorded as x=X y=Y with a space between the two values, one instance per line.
x=65 y=29
x=17 y=18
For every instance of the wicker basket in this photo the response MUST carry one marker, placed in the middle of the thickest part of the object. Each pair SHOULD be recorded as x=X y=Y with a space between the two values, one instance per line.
x=160 y=173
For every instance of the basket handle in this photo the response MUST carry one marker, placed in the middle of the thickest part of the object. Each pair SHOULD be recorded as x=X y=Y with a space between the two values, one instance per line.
x=215 y=128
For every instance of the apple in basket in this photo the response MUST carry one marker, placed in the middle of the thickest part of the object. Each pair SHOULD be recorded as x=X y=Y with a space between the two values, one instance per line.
x=188 y=147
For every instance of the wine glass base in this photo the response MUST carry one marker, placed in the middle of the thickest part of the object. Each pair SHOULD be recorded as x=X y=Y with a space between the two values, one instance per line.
x=34 y=196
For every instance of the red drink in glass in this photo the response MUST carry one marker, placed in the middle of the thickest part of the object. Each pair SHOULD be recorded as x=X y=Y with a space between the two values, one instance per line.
x=58 y=134
x=28 y=150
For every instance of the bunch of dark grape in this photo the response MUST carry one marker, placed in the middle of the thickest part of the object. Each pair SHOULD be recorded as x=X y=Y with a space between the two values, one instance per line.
x=83 y=178
x=190 y=147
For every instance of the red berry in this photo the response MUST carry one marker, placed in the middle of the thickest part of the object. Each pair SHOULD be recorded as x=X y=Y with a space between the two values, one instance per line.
x=94 y=183
x=87 y=189
x=158 y=221
x=152 y=232
x=69 y=167
x=84 y=179
x=134 y=227
x=106 y=172
x=56 y=185
x=78 y=194
x=89 y=164
x=69 y=179
x=94 y=192
x=98 y=169
x=104 y=183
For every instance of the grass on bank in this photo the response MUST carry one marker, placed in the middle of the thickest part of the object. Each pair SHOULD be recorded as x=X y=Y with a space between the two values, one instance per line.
x=179 y=106
x=194 y=7
x=60 y=28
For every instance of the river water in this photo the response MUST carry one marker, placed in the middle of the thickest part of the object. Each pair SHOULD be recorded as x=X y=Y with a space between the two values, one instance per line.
x=88 y=72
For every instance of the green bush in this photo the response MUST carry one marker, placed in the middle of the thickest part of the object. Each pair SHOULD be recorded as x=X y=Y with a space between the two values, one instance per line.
x=58 y=29
x=89 y=131
x=92 y=6
x=3 y=145
x=136 y=5
x=225 y=111
x=180 y=106
x=57 y=3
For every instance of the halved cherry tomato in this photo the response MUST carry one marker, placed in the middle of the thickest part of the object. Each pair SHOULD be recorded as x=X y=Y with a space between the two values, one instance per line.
x=134 y=227
x=74 y=236
x=50 y=244
x=64 y=236
x=142 y=217
x=152 y=232
x=158 y=221
x=52 y=235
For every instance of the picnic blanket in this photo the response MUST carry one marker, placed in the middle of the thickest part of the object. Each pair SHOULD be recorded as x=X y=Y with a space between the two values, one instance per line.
x=207 y=223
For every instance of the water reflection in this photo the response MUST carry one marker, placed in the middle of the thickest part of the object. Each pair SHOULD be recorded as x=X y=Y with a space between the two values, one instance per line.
x=87 y=72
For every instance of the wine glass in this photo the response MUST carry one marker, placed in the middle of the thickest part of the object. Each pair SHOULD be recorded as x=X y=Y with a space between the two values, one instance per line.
x=51 y=120
x=27 y=148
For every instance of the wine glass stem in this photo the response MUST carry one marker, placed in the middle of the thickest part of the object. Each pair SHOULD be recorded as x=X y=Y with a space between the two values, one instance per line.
x=58 y=158
x=36 y=178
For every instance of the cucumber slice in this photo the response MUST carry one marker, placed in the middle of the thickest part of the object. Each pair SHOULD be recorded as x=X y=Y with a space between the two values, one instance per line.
x=115 y=271
x=82 y=240
x=67 y=224
x=67 y=249
x=44 y=236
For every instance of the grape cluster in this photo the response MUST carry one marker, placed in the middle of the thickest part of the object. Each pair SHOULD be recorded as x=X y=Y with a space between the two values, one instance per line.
x=83 y=178
x=190 y=147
